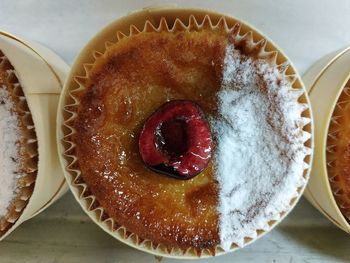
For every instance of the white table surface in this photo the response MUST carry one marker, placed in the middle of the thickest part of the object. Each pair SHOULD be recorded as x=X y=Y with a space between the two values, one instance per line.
x=305 y=30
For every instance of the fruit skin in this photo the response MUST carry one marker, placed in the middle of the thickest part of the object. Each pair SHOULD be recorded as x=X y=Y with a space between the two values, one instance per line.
x=176 y=140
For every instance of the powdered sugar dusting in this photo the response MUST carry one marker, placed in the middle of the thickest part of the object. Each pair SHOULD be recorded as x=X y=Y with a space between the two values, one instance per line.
x=9 y=152
x=260 y=147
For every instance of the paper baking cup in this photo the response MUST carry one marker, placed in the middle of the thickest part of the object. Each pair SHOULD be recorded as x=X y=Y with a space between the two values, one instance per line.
x=37 y=75
x=325 y=82
x=151 y=20
x=28 y=151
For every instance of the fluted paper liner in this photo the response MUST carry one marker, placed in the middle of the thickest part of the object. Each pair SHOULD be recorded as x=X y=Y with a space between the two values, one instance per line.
x=157 y=20
x=37 y=76
x=28 y=148
x=326 y=82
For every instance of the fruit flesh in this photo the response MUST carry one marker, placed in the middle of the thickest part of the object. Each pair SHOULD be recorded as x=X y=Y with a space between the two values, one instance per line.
x=126 y=86
x=176 y=140
x=172 y=138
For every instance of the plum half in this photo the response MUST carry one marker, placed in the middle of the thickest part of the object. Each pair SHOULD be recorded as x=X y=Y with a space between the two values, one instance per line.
x=176 y=140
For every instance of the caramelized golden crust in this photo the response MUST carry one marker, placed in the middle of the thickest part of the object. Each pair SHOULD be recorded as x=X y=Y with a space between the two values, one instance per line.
x=338 y=154
x=128 y=83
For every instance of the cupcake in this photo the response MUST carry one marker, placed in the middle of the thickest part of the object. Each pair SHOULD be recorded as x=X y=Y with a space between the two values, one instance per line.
x=18 y=148
x=338 y=153
x=185 y=137
x=328 y=189
x=31 y=178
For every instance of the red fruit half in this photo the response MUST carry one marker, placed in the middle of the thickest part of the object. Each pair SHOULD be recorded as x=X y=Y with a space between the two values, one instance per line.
x=176 y=140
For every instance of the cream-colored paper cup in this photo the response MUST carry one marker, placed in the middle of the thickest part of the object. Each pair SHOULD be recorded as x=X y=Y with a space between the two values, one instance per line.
x=151 y=20
x=40 y=74
x=325 y=82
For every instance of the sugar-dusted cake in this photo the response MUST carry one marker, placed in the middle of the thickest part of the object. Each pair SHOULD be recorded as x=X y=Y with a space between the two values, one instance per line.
x=17 y=167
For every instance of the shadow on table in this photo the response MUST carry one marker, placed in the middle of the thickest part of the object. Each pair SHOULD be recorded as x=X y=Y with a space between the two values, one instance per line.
x=327 y=241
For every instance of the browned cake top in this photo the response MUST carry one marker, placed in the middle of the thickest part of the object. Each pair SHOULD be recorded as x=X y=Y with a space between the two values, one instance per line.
x=125 y=86
x=338 y=154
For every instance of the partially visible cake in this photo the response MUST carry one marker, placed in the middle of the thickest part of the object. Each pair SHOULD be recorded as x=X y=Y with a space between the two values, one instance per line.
x=338 y=152
x=17 y=170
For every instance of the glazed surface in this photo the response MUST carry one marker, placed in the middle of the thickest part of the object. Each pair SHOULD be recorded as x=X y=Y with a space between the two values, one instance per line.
x=125 y=86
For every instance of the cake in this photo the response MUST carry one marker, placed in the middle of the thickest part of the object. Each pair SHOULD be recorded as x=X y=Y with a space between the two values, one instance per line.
x=338 y=152
x=191 y=138
x=18 y=163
